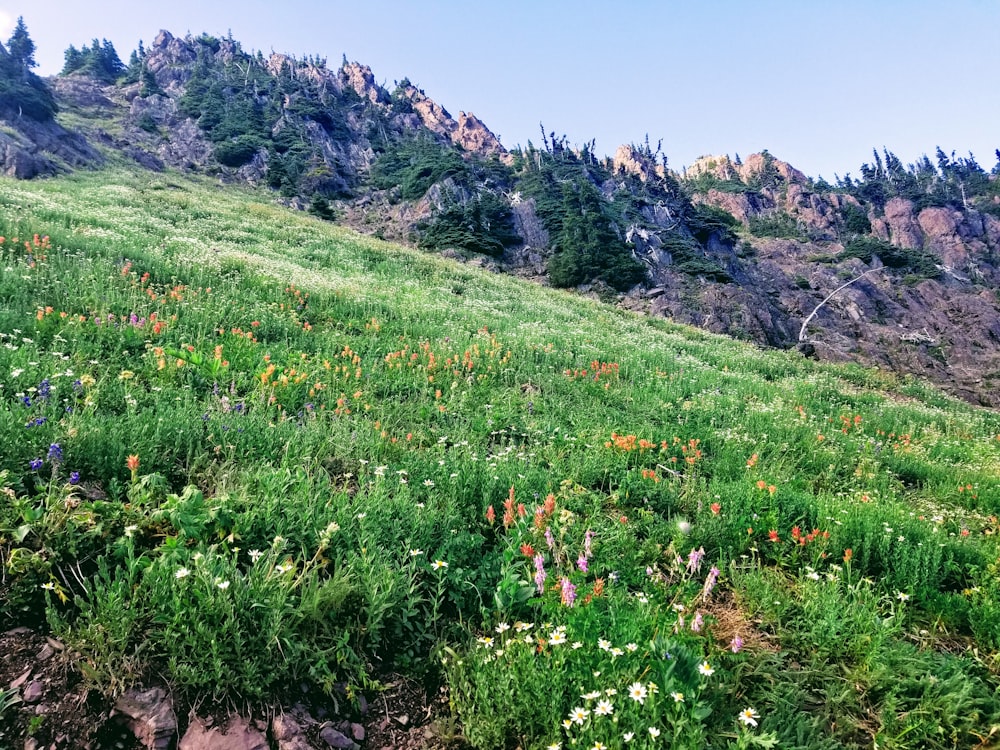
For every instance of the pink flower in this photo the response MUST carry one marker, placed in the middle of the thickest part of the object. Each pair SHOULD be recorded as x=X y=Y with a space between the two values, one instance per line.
x=736 y=644
x=568 y=592
x=581 y=563
x=540 y=574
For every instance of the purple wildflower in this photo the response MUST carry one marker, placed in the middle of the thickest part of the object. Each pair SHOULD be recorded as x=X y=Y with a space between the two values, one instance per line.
x=55 y=453
x=736 y=645
x=581 y=563
x=44 y=390
x=548 y=538
x=694 y=559
x=540 y=574
x=587 y=538
x=696 y=623
x=74 y=477
x=568 y=592
x=35 y=464
x=713 y=576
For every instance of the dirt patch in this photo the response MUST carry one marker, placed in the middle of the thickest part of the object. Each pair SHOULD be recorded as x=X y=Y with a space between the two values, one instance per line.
x=44 y=703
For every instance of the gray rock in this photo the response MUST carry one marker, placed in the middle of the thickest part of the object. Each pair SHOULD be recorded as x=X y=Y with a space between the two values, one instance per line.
x=150 y=716
x=289 y=733
x=33 y=692
x=333 y=738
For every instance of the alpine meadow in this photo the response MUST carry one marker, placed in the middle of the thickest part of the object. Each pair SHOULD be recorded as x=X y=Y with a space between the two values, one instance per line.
x=286 y=476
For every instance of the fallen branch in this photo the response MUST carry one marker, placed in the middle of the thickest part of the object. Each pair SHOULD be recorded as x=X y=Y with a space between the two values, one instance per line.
x=830 y=296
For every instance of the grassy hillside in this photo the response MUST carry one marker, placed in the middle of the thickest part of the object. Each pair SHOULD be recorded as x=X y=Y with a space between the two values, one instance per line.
x=244 y=449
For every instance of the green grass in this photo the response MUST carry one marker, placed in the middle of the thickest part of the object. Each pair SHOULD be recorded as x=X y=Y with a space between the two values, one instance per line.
x=318 y=417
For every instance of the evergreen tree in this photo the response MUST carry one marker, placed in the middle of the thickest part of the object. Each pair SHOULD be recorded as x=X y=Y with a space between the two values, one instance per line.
x=22 y=93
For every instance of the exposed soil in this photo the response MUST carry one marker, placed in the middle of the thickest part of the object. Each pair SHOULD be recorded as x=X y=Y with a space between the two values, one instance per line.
x=52 y=708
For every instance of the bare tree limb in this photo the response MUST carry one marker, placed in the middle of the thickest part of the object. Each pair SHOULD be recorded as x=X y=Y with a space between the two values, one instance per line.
x=830 y=296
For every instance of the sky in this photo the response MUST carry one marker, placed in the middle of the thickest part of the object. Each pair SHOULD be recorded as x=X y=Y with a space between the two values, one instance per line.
x=818 y=84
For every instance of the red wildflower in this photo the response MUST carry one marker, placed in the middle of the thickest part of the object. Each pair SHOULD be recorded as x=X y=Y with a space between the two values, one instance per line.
x=715 y=508
x=772 y=536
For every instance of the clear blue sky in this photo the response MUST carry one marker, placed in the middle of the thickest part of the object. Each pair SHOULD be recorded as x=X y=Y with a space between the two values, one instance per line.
x=816 y=83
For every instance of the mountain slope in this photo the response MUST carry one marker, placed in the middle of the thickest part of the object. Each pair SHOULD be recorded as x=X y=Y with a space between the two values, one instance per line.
x=750 y=249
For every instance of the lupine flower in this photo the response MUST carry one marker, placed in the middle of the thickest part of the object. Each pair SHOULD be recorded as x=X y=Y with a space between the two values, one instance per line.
x=548 y=538
x=74 y=477
x=568 y=592
x=736 y=644
x=749 y=717
x=581 y=563
x=36 y=464
x=540 y=574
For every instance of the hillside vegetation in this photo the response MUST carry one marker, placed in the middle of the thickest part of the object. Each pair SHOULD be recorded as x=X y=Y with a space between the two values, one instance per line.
x=246 y=450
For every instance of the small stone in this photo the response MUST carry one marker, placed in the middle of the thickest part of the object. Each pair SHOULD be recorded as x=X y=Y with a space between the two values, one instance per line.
x=362 y=705
x=20 y=680
x=31 y=744
x=236 y=734
x=57 y=645
x=288 y=733
x=358 y=732
x=402 y=720
x=46 y=653
x=33 y=692
x=333 y=738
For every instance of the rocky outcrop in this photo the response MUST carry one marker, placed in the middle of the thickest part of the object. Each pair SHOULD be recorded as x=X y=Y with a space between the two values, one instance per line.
x=32 y=149
x=630 y=160
x=468 y=131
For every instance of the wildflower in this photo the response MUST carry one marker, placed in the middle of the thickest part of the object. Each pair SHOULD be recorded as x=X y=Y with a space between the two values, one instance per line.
x=599 y=746
x=749 y=716
x=540 y=574
x=555 y=746
x=610 y=691
x=677 y=696
x=182 y=573
x=548 y=538
x=736 y=644
x=74 y=477
x=697 y=623
x=654 y=732
x=615 y=652
x=132 y=463
x=567 y=724
x=576 y=645
x=36 y=464
x=591 y=695
x=812 y=575
x=653 y=688
x=491 y=515
x=520 y=627
x=438 y=564
x=694 y=559
x=706 y=669
x=848 y=554
x=255 y=555
x=581 y=563
x=223 y=585
x=557 y=638
x=578 y=715
x=55 y=453
x=710 y=581
x=568 y=592
x=772 y=536
x=716 y=508
x=587 y=539
x=130 y=530
x=637 y=692
x=284 y=568
x=631 y=647
x=485 y=641
x=49 y=586
x=502 y=627
x=604 y=644
x=902 y=597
